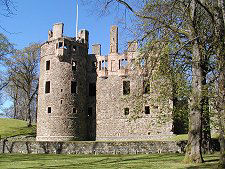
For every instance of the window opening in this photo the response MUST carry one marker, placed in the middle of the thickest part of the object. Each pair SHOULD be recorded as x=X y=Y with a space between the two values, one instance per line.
x=60 y=44
x=126 y=87
x=74 y=111
x=147 y=110
x=100 y=65
x=73 y=87
x=74 y=65
x=47 y=87
x=48 y=65
x=49 y=110
x=126 y=111
x=92 y=89
x=123 y=63
x=90 y=112
x=146 y=87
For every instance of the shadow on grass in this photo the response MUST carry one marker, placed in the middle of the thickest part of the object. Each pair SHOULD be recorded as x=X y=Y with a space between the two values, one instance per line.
x=101 y=161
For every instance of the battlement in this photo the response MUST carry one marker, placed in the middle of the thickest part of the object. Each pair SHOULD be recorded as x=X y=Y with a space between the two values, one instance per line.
x=57 y=32
x=115 y=64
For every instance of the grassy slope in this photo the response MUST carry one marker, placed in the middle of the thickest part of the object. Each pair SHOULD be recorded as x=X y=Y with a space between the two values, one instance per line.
x=12 y=127
x=152 y=161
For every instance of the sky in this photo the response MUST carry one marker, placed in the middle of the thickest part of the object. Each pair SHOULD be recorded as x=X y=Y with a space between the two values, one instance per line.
x=33 y=19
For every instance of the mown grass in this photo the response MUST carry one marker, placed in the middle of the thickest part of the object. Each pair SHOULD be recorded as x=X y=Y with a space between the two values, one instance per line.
x=153 y=161
x=12 y=127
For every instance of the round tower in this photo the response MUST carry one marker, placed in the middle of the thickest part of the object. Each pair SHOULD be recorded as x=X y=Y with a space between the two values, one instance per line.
x=62 y=88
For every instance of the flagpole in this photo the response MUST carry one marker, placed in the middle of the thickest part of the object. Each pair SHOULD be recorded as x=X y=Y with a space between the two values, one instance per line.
x=77 y=21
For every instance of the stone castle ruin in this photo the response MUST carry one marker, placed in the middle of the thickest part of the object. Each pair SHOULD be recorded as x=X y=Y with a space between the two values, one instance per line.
x=93 y=97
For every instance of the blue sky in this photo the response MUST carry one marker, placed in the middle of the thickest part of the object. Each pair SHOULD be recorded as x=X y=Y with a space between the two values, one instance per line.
x=34 y=18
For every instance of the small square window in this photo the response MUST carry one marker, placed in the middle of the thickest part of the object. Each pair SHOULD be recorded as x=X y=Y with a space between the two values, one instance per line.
x=49 y=110
x=48 y=65
x=126 y=111
x=147 y=110
x=74 y=111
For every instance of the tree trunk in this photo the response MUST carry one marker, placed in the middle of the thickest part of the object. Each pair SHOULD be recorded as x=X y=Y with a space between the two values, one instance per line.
x=206 y=134
x=29 y=119
x=193 y=148
x=220 y=41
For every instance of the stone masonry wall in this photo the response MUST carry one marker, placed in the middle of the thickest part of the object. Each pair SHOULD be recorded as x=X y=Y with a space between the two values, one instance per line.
x=144 y=147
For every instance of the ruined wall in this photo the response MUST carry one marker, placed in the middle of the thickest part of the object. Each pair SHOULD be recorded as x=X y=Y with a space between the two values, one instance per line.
x=137 y=115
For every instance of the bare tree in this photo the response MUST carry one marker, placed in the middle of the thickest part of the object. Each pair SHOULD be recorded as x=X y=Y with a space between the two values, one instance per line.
x=22 y=69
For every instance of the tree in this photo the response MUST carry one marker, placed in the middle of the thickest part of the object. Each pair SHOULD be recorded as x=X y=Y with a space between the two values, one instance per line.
x=22 y=70
x=180 y=21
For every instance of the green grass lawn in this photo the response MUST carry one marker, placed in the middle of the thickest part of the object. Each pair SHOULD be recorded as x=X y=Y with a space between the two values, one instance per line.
x=12 y=127
x=153 y=161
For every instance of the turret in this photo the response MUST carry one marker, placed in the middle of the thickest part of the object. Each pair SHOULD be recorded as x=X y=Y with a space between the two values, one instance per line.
x=114 y=39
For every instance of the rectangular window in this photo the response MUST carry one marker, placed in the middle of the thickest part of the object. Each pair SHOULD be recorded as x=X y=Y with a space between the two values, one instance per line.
x=73 y=87
x=48 y=65
x=74 y=111
x=90 y=113
x=74 y=48
x=49 y=110
x=74 y=65
x=92 y=89
x=126 y=87
x=60 y=44
x=126 y=111
x=147 y=110
x=47 y=87
x=146 y=87
x=100 y=65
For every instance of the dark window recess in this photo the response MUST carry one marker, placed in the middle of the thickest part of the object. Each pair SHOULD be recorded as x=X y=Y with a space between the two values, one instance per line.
x=48 y=65
x=73 y=87
x=49 y=109
x=126 y=87
x=74 y=65
x=47 y=87
x=100 y=65
x=60 y=44
x=92 y=89
x=147 y=110
x=74 y=110
x=146 y=87
x=61 y=90
x=90 y=113
x=61 y=101
x=126 y=111
x=74 y=48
